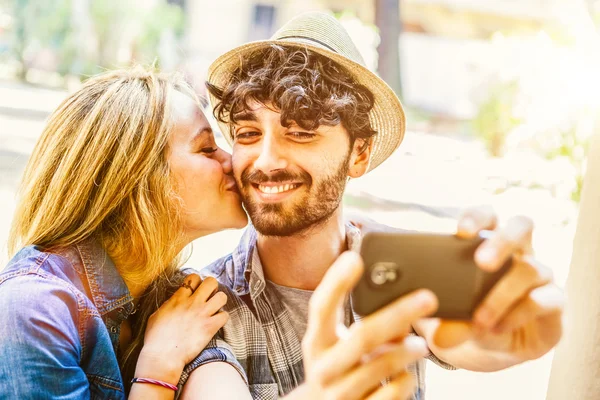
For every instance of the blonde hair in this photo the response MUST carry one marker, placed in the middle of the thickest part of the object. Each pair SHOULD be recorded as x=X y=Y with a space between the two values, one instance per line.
x=99 y=170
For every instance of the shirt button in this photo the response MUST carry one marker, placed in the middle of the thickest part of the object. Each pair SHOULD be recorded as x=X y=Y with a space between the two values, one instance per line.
x=113 y=329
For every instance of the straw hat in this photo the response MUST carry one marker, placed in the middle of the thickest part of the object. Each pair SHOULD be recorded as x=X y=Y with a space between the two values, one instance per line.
x=324 y=35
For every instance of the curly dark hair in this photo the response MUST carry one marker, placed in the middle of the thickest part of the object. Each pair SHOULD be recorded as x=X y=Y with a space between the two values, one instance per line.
x=305 y=87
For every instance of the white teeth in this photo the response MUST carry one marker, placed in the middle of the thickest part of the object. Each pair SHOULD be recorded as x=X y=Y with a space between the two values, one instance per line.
x=276 y=189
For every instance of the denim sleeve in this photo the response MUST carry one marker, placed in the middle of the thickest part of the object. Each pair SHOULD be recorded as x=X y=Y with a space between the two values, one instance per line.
x=217 y=350
x=40 y=346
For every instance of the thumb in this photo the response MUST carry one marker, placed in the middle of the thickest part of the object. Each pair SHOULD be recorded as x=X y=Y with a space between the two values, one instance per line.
x=327 y=299
x=451 y=333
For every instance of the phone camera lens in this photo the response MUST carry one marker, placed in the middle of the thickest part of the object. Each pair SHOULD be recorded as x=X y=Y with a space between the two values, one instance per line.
x=384 y=272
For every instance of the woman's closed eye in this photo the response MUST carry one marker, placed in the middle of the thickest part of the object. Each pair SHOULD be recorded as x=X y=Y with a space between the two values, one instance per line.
x=208 y=150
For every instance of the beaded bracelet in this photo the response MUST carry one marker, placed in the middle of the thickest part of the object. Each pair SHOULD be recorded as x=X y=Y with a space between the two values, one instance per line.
x=154 y=382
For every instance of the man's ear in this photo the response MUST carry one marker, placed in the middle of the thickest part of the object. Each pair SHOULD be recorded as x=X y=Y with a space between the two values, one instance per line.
x=359 y=159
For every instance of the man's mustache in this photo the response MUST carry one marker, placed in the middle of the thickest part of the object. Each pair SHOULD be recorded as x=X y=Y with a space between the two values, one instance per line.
x=257 y=177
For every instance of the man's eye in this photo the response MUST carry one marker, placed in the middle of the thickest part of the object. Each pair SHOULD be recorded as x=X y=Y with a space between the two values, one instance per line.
x=302 y=135
x=209 y=150
x=246 y=135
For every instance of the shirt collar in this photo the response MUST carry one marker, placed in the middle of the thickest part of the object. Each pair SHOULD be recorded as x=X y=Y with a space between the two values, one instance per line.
x=248 y=274
x=107 y=288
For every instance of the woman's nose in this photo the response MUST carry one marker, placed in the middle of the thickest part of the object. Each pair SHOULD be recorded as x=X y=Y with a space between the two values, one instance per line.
x=225 y=160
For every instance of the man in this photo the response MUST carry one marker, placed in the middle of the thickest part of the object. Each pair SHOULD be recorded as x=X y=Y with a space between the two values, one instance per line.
x=304 y=115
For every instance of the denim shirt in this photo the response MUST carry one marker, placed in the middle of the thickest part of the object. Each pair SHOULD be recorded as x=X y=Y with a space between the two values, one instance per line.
x=60 y=318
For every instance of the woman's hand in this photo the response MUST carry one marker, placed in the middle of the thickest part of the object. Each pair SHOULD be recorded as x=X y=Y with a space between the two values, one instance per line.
x=180 y=329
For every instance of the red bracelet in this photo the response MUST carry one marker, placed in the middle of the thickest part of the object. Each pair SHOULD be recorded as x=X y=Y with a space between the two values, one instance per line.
x=154 y=382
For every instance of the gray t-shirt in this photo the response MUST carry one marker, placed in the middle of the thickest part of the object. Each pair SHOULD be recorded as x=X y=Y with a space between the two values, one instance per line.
x=296 y=303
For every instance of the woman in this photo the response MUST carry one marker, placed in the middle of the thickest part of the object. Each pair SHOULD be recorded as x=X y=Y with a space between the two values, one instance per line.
x=124 y=176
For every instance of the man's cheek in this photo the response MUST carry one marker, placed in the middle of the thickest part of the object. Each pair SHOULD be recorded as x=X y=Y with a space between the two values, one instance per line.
x=236 y=165
x=237 y=175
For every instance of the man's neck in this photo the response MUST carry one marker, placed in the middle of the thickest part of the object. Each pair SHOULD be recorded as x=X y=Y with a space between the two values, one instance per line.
x=300 y=261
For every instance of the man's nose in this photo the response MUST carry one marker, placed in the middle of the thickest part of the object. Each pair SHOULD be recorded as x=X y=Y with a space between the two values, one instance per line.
x=270 y=157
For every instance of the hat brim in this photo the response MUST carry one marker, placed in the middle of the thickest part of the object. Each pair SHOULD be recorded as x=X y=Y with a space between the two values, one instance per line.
x=387 y=116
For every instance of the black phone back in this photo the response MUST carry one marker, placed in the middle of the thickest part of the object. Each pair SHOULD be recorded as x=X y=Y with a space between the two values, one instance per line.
x=399 y=263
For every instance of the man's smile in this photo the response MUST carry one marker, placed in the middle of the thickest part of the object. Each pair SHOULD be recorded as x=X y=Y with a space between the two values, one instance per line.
x=271 y=191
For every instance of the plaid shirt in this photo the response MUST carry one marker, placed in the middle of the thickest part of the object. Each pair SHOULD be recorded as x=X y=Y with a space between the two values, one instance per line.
x=259 y=340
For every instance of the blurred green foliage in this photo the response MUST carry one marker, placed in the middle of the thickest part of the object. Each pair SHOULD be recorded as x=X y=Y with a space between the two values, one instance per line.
x=575 y=149
x=93 y=37
x=38 y=25
x=496 y=118
x=163 y=17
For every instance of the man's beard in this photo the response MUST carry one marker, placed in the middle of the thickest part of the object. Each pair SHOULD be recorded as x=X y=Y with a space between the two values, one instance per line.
x=320 y=201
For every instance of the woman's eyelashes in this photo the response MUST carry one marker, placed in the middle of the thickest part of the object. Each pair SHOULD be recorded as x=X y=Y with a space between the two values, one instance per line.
x=208 y=150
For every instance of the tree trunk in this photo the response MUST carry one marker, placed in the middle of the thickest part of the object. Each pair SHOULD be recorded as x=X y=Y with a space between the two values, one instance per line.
x=387 y=19
x=576 y=365
x=21 y=37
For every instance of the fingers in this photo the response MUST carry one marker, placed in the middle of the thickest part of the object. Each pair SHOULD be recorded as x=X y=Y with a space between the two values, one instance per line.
x=368 y=376
x=514 y=238
x=207 y=288
x=450 y=333
x=475 y=219
x=356 y=219
x=387 y=324
x=217 y=321
x=327 y=299
x=209 y=328
x=189 y=286
x=525 y=275
x=215 y=303
x=540 y=302
x=400 y=388
x=443 y=334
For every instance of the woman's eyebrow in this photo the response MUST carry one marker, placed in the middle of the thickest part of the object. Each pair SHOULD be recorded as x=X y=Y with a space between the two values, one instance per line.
x=200 y=135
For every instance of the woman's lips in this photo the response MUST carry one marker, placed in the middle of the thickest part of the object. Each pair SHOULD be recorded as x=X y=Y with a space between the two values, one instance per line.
x=232 y=187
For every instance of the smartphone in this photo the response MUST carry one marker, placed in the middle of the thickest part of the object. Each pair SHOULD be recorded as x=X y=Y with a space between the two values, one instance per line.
x=399 y=263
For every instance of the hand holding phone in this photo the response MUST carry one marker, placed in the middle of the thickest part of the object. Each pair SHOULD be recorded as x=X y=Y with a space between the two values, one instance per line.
x=399 y=263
